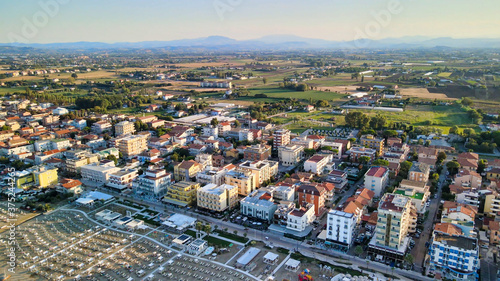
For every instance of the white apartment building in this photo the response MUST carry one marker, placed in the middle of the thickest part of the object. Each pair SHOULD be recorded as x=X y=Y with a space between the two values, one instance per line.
x=281 y=138
x=212 y=175
x=281 y=192
x=132 y=145
x=394 y=217
x=303 y=141
x=340 y=228
x=153 y=183
x=101 y=127
x=262 y=170
x=122 y=179
x=300 y=219
x=316 y=164
x=376 y=179
x=335 y=145
x=455 y=257
x=98 y=173
x=124 y=128
x=290 y=155
x=211 y=131
x=217 y=198
x=259 y=204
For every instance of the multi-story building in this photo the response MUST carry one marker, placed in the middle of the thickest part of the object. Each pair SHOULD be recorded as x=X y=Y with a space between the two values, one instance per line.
x=223 y=128
x=132 y=145
x=419 y=172
x=334 y=146
x=211 y=131
x=467 y=178
x=290 y=155
x=427 y=156
x=394 y=215
x=98 y=173
x=356 y=152
x=281 y=138
x=124 y=128
x=182 y=193
x=257 y=152
x=316 y=164
x=314 y=194
x=454 y=257
x=340 y=228
x=217 y=198
x=373 y=142
x=338 y=178
x=187 y=170
x=303 y=141
x=153 y=183
x=44 y=177
x=281 y=193
x=244 y=180
x=100 y=127
x=122 y=179
x=213 y=175
x=258 y=204
x=417 y=191
x=299 y=219
x=376 y=179
x=75 y=159
x=262 y=170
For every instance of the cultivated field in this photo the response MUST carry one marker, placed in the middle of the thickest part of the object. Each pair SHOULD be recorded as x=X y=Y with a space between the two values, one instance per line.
x=423 y=93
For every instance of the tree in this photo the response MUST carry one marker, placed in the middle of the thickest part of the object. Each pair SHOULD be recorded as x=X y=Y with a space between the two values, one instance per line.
x=380 y=162
x=199 y=227
x=409 y=259
x=358 y=250
x=405 y=168
x=322 y=103
x=264 y=80
x=481 y=165
x=390 y=133
x=378 y=122
x=5 y=128
x=74 y=76
x=357 y=120
x=214 y=122
x=309 y=151
x=207 y=228
x=112 y=158
x=453 y=167
x=441 y=157
x=454 y=129
x=236 y=123
x=364 y=159
x=467 y=101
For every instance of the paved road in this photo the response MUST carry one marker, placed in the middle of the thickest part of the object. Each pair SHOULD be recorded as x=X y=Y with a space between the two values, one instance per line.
x=419 y=251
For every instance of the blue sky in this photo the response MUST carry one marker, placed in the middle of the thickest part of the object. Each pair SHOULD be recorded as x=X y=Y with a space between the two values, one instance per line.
x=151 y=20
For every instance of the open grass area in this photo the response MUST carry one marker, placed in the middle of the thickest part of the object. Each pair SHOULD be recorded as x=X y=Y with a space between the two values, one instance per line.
x=214 y=241
x=419 y=115
x=191 y=233
x=232 y=236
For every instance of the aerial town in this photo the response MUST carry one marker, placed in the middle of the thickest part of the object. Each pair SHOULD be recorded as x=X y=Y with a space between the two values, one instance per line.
x=217 y=159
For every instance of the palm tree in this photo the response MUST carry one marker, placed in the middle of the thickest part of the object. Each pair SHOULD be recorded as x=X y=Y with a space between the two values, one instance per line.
x=207 y=228
x=199 y=227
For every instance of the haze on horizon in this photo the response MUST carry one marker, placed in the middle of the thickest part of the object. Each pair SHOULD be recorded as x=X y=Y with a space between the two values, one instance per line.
x=156 y=20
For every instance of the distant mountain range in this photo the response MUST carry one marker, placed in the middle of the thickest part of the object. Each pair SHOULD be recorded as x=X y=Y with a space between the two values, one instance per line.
x=278 y=42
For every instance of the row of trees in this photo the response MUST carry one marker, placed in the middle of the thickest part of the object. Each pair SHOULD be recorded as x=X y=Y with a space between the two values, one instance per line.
x=361 y=121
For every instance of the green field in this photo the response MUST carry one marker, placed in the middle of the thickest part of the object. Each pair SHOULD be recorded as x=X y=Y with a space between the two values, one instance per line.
x=419 y=114
x=276 y=94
